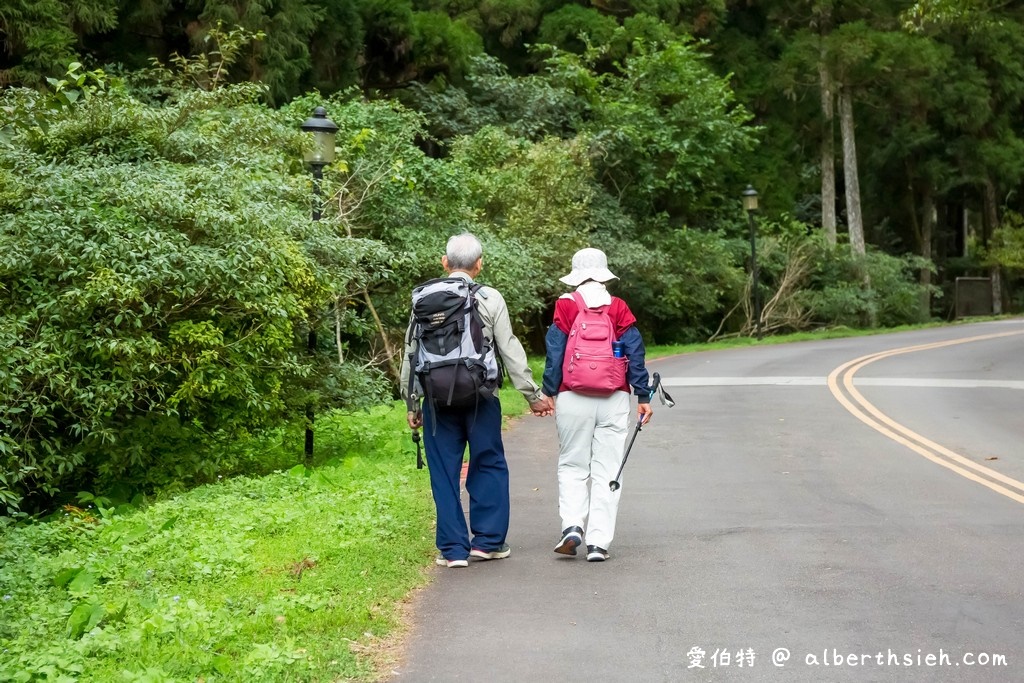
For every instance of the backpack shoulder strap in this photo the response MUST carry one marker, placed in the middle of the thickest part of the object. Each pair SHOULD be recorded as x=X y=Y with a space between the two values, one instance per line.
x=581 y=305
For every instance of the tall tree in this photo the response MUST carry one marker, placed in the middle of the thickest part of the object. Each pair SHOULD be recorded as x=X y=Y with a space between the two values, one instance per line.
x=38 y=38
x=828 y=95
x=987 y=142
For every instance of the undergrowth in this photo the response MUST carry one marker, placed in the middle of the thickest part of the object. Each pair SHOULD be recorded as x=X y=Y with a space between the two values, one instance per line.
x=287 y=577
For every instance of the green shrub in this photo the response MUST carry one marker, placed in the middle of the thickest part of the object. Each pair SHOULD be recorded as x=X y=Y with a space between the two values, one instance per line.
x=159 y=276
x=838 y=295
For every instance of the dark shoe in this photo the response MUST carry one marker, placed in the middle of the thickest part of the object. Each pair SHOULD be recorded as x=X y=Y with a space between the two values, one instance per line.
x=572 y=538
x=499 y=554
x=595 y=554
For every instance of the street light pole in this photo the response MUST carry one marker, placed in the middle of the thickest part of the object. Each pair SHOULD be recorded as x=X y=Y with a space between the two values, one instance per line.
x=317 y=154
x=750 y=204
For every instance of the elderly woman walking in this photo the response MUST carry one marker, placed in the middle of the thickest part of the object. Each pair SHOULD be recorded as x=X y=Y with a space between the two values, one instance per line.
x=592 y=414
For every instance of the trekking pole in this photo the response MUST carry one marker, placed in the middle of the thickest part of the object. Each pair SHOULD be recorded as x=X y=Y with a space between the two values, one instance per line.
x=413 y=405
x=419 y=448
x=614 y=483
x=667 y=401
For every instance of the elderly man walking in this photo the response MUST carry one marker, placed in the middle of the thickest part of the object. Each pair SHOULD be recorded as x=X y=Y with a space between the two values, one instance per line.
x=449 y=428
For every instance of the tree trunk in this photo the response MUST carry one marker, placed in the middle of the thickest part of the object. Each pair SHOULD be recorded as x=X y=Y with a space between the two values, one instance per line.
x=991 y=225
x=927 y=230
x=828 y=158
x=854 y=221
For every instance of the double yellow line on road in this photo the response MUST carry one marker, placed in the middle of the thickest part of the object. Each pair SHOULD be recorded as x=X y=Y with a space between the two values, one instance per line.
x=840 y=383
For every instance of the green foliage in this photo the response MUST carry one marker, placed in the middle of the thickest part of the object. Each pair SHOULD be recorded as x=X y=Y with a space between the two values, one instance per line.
x=442 y=46
x=39 y=37
x=677 y=281
x=335 y=46
x=662 y=127
x=210 y=67
x=158 y=270
x=532 y=201
x=805 y=284
x=509 y=19
x=838 y=296
x=925 y=14
x=565 y=26
x=287 y=26
x=1007 y=247
x=525 y=106
x=249 y=580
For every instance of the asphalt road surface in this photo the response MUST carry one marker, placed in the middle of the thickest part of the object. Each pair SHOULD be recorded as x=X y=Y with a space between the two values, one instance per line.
x=842 y=510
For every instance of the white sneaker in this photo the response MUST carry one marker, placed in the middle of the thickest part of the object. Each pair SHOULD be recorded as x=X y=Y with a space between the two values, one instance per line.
x=499 y=554
x=451 y=564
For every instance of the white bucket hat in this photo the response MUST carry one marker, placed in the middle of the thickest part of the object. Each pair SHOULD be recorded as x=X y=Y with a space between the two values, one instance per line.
x=588 y=264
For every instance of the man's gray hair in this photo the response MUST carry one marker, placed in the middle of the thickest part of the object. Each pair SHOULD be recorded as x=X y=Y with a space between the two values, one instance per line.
x=463 y=251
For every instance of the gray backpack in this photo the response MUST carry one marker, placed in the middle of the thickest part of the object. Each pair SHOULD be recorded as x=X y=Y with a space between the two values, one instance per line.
x=454 y=362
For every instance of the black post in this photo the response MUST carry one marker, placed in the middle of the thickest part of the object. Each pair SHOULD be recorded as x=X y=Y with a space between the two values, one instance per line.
x=754 y=284
x=318 y=154
x=318 y=175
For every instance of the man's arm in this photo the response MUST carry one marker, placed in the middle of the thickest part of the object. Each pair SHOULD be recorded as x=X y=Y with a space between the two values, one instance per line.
x=495 y=315
x=509 y=346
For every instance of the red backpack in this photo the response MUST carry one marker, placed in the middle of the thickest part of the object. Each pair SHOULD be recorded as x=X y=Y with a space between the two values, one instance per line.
x=590 y=366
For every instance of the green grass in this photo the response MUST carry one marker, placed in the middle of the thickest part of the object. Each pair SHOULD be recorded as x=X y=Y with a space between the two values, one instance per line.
x=288 y=577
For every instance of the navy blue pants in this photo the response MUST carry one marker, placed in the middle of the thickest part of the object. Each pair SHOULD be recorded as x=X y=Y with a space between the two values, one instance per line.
x=486 y=479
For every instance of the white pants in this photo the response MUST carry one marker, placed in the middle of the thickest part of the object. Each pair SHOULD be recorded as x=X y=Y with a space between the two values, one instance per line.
x=592 y=437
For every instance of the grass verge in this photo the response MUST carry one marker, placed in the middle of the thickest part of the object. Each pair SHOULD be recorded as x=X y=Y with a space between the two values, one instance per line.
x=289 y=577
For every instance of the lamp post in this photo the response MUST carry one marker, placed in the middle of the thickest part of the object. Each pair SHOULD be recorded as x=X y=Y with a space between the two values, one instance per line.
x=317 y=154
x=750 y=204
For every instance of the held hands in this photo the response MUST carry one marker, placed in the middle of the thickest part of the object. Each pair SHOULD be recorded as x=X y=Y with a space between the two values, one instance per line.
x=543 y=406
x=415 y=419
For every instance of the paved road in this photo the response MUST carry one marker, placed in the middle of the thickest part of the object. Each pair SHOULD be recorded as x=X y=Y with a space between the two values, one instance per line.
x=871 y=512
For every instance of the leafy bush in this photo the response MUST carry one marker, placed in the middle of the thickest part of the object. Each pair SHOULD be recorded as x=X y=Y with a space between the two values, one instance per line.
x=805 y=284
x=664 y=130
x=838 y=295
x=676 y=282
x=159 y=272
